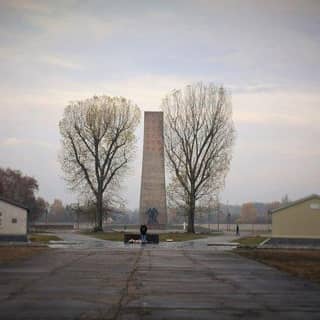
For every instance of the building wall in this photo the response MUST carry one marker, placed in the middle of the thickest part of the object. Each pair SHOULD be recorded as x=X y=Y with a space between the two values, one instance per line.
x=298 y=221
x=10 y=213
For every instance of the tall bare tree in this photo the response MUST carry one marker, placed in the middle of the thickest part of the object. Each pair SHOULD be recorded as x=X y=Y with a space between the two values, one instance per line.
x=98 y=141
x=199 y=134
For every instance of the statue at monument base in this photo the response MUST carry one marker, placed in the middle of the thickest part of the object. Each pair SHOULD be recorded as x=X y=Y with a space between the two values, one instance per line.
x=152 y=214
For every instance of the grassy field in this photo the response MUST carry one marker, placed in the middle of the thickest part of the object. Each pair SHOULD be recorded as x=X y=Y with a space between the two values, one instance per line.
x=250 y=241
x=300 y=263
x=112 y=236
x=181 y=236
x=174 y=236
x=9 y=253
x=42 y=238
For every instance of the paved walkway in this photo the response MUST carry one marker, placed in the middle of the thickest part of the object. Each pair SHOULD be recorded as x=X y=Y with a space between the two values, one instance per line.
x=151 y=283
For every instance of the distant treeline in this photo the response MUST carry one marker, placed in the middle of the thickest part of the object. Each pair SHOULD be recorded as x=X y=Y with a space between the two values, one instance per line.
x=250 y=212
x=16 y=186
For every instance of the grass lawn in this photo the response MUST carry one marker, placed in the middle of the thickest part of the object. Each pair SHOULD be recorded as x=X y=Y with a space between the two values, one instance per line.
x=42 y=238
x=181 y=236
x=175 y=236
x=300 y=263
x=10 y=253
x=250 y=241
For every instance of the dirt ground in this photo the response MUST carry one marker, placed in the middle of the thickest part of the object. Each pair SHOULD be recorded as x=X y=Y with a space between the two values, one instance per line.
x=301 y=263
x=8 y=254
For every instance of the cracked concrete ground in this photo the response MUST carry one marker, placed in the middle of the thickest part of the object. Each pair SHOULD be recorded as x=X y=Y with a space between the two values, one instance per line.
x=151 y=283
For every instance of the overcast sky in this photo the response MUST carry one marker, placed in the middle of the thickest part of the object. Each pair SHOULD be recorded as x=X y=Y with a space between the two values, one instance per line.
x=266 y=52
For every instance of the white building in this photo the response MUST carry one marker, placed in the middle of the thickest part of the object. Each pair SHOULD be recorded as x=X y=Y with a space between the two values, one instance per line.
x=13 y=221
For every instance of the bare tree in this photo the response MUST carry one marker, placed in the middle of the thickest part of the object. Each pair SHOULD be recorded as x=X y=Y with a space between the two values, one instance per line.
x=16 y=186
x=199 y=134
x=98 y=141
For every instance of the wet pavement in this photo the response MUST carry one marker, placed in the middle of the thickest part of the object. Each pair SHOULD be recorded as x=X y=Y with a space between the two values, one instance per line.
x=74 y=240
x=150 y=282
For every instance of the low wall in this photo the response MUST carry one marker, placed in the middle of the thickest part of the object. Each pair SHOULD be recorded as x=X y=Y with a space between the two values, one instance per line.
x=151 y=237
x=279 y=242
x=14 y=238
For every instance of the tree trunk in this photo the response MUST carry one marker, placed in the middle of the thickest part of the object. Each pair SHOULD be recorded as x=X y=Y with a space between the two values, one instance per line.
x=99 y=212
x=191 y=211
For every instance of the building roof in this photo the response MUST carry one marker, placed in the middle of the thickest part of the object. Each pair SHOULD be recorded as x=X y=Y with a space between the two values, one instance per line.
x=293 y=203
x=14 y=203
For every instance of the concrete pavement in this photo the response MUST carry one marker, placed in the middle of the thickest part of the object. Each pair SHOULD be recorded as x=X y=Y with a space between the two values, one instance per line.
x=144 y=283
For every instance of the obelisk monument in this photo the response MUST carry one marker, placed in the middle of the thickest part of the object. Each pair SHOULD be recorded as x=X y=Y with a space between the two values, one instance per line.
x=153 y=206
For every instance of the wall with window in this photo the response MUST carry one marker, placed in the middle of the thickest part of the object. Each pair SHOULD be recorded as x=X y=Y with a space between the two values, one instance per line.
x=13 y=220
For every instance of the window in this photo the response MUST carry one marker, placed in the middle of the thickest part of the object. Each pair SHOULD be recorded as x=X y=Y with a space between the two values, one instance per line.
x=14 y=220
x=315 y=205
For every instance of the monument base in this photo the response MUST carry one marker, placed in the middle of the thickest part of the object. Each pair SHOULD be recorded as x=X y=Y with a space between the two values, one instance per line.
x=151 y=237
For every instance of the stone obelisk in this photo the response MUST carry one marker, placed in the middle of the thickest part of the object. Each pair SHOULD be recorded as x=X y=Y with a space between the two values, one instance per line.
x=153 y=206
